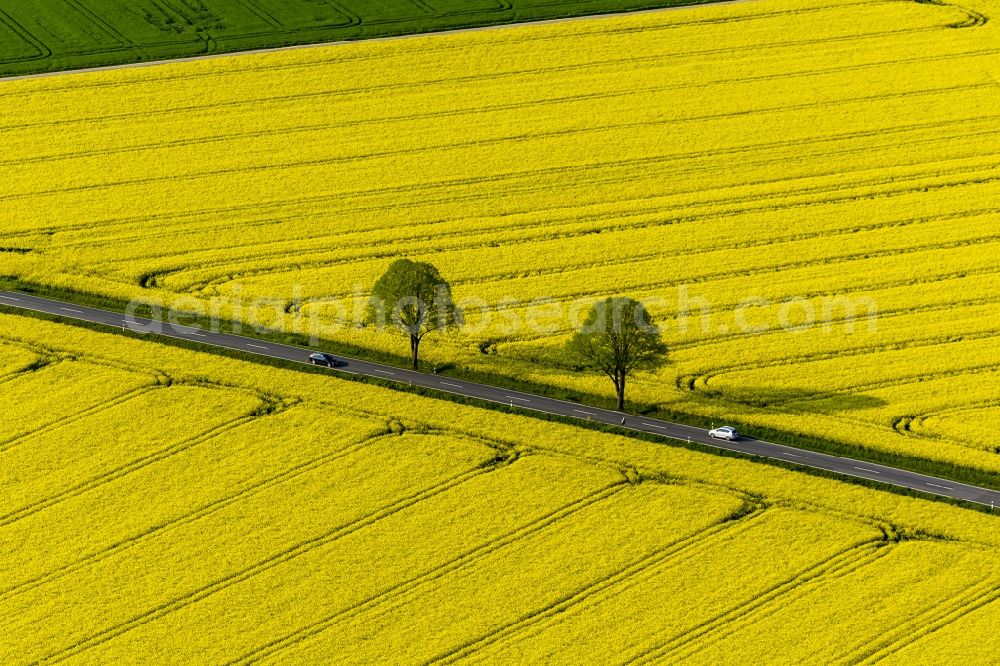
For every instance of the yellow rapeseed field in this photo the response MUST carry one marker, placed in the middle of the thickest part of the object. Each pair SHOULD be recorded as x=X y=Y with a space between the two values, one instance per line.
x=746 y=168
x=277 y=516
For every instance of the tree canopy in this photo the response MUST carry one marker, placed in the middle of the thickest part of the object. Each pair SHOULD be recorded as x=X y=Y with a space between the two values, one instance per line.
x=412 y=297
x=618 y=338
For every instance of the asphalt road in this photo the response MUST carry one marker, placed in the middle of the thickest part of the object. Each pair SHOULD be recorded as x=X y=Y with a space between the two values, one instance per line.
x=528 y=401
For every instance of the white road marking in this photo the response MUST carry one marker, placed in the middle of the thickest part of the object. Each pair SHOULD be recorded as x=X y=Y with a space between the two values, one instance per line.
x=937 y=486
x=653 y=425
x=256 y=346
x=451 y=385
x=511 y=397
x=10 y=298
x=792 y=455
x=384 y=372
x=72 y=310
x=870 y=471
x=580 y=411
x=127 y=326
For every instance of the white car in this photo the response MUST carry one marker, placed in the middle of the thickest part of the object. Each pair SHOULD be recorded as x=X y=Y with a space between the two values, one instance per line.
x=725 y=432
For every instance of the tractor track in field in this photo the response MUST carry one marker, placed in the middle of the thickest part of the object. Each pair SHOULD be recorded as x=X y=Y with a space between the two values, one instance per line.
x=468 y=240
x=937 y=616
x=76 y=416
x=482 y=143
x=882 y=187
x=686 y=644
x=457 y=563
x=119 y=472
x=681 y=550
x=276 y=208
x=198 y=514
x=274 y=560
x=255 y=103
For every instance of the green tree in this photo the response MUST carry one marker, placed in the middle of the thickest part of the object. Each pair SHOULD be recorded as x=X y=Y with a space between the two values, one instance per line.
x=412 y=297
x=618 y=338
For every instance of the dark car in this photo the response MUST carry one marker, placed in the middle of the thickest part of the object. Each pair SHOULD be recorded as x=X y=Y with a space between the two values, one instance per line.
x=328 y=360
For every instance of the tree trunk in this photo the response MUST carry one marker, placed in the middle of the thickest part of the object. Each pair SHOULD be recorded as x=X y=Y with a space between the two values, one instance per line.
x=620 y=388
x=414 y=349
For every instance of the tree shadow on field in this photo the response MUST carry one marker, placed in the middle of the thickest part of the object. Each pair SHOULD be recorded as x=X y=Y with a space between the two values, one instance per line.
x=794 y=400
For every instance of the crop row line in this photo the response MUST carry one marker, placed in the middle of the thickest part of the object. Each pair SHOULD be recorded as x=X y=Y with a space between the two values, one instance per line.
x=703 y=379
x=570 y=267
x=530 y=178
x=450 y=113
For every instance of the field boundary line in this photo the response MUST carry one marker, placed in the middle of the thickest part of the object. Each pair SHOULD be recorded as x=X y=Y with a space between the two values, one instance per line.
x=452 y=31
x=520 y=39
x=471 y=78
x=826 y=457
